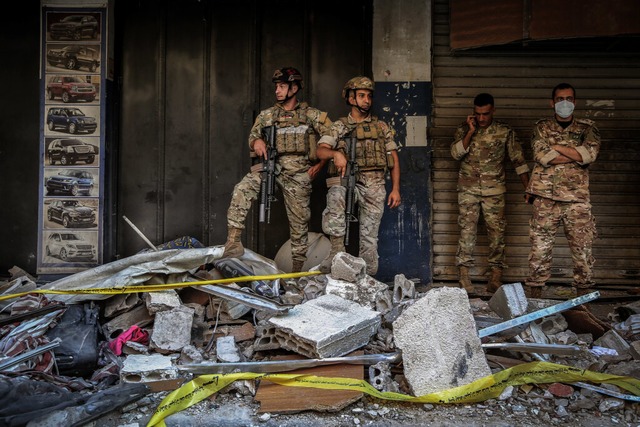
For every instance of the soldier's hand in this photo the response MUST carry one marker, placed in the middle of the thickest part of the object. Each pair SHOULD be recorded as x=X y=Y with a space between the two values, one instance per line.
x=471 y=122
x=260 y=148
x=340 y=161
x=394 y=199
x=314 y=170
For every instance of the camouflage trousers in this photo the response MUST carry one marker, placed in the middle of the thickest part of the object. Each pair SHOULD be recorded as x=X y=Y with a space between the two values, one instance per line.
x=370 y=195
x=295 y=184
x=492 y=208
x=580 y=231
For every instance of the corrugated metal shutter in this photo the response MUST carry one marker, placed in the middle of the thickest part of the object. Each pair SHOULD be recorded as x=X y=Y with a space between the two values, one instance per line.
x=606 y=74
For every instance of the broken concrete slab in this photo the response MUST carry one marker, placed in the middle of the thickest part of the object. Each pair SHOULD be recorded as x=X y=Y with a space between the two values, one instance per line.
x=439 y=343
x=328 y=326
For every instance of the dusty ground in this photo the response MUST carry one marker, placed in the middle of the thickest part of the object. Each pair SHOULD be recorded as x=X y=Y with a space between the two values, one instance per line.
x=530 y=410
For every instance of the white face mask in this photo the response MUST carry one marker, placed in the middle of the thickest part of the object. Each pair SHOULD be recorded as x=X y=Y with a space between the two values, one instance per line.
x=564 y=108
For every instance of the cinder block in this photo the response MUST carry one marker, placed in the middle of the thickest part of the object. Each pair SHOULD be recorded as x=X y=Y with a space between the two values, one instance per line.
x=265 y=338
x=328 y=326
x=440 y=346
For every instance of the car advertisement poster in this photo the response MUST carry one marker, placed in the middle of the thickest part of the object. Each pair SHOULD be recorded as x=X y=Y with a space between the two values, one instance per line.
x=71 y=142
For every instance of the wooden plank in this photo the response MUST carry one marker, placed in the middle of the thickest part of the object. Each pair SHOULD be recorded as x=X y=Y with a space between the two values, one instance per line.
x=276 y=398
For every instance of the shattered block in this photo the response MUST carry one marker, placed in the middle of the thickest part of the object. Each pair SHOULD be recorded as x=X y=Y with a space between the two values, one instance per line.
x=328 y=326
x=611 y=339
x=119 y=304
x=266 y=338
x=509 y=301
x=162 y=301
x=440 y=346
x=366 y=291
x=139 y=368
x=226 y=350
x=346 y=267
x=172 y=330
x=403 y=289
x=138 y=316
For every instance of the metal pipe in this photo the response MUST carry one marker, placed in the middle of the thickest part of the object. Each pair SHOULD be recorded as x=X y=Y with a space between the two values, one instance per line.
x=137 y=230
x=530 y=317
x=273 y=366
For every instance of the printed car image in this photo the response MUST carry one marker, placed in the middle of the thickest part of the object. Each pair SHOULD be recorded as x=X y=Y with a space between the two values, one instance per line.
x=69 y=246
x=71 y=213
x=71 y=120
x=70 y=181
x=73 y=57
x=70 y=89
x=74 y=27
x=68 y=151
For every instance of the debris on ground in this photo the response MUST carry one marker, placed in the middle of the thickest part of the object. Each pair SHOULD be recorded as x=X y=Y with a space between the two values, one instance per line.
x=179 y=334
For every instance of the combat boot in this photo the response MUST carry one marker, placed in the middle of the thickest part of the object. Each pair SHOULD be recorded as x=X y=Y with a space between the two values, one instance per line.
x=337 y=245
x=233 y=247
x=296 y=266
x=495 y=281
x=463 y=279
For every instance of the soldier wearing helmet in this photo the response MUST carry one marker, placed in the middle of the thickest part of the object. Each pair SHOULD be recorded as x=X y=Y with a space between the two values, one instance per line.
x=376 y=153
x=298 y=128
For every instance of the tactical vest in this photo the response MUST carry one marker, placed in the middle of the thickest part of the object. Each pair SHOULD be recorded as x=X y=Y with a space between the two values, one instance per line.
x=294 y=134
x=371 y=152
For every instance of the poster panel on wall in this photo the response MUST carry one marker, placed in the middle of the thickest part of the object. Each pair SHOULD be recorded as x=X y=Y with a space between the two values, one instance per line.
x=72 y=109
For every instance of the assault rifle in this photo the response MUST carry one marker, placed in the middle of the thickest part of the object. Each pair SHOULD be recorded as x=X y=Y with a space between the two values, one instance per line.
x=350 y=183
x=268 y=184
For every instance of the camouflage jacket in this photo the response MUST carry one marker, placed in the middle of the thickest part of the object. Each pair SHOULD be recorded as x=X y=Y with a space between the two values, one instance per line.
x=315 y=119
x=343 y=126
x=482 y=170
x=567 y=182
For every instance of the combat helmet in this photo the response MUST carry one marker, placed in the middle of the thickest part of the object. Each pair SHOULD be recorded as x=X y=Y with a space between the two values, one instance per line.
x=359 y=82
x=287 y=75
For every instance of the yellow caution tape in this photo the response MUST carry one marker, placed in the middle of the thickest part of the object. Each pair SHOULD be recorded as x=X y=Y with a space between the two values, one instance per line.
x=163 y=287
x=480 y=390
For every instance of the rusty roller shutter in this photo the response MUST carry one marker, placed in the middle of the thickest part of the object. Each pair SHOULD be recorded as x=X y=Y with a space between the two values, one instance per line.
x=605 y=72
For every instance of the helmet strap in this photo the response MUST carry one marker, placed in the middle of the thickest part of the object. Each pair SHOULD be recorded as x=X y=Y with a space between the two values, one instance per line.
x=352 y=95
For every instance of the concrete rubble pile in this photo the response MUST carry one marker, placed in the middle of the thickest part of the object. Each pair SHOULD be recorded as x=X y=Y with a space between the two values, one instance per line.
x=410 y=342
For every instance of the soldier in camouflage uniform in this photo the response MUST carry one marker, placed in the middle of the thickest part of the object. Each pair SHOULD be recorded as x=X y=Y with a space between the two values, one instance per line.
x=298 y=127
x=563 y=148
x=376 y=152
x=480 y=144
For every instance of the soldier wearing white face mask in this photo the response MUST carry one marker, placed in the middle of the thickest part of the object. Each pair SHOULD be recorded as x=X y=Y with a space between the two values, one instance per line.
x=563 y=148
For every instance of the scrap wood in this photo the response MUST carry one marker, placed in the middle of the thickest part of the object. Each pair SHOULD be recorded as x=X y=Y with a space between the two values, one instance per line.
x=276 y=398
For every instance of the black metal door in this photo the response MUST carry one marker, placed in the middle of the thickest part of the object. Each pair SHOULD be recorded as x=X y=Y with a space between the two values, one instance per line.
x=192 y=76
